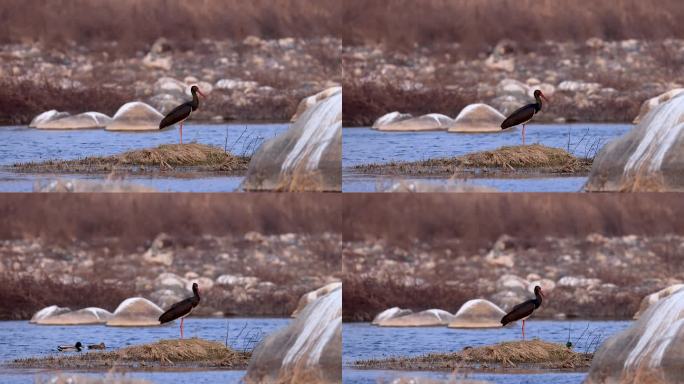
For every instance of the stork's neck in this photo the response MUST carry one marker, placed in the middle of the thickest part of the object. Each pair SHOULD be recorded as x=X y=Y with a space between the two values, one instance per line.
x=196 y=292
x=538 y=299
x=538 y=106
x=195 y=100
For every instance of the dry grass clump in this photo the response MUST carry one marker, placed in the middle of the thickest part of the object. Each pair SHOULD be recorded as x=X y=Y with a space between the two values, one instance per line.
x=514 y=354
x=165 y=156
x=521 y=156
x=193 y=351
x=505 y=159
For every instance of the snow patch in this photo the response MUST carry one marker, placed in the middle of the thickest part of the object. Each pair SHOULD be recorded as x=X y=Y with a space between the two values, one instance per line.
x=131 y=302
x=132 y=105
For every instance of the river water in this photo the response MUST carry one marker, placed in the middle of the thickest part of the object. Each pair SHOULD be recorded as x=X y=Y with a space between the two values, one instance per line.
x=19 y=339
x=364 y=341
x=365 y=146
x=21 y=144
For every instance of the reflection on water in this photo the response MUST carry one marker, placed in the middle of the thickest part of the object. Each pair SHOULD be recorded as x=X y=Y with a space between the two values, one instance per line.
x=21 y=144
x=354 y=376
x=19 y=339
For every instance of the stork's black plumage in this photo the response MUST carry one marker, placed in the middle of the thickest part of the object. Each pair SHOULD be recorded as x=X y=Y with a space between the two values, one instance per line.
x=524 y=114
x=181 y=308
x=523 y=310
x=182 y=112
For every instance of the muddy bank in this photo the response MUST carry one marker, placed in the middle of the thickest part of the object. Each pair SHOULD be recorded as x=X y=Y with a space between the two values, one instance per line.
x=164 y=158
x=506 y=357
x=593 y=80
x=250 y=79
x=505 y=161
x=242 y=275
x=592 y=277
x=186 y=353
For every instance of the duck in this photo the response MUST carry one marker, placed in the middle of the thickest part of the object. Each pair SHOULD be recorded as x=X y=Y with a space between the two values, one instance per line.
x=71 y=348
x=97 y=346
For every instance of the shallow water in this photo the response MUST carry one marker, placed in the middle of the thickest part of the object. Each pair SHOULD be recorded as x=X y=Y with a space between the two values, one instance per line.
x=364 y=341
x=19 y=339
x=22 y=144
x=355 y=376
x=365 y=183
x=365 y=145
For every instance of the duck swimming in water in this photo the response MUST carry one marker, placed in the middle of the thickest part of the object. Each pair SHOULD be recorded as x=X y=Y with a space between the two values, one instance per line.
x=97 y=346
x=71 y=348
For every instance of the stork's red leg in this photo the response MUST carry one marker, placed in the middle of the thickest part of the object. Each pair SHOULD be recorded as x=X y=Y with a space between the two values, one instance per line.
x=523 y=137
x=181 y=135
x=183 y=318
x=523 y=328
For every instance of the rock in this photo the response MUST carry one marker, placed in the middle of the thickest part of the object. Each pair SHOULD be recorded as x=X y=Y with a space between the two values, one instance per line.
x=171 y=281
x=135 y=116
x=136 y=312
x=155 y=61
x=90 y=315
x=389 y=118
x=428 y=380
x=578 y=282
x=578 y=86
x=653 y=298
x=243 y=281
x=307 y=157
x=52 y=114
x=478 y=118
x=430 y=122
x=427 y=318
x=649 y=351
x=478 y=313
x=648 y=105
x=308 y=350
x=390 y=313
x=313 y=295
x=86 y=120
x=157 y=254
x=512 y=87
x=236 y=84
x=52 y=310
x=512 y=283
x=650 y=157
x=498 y=257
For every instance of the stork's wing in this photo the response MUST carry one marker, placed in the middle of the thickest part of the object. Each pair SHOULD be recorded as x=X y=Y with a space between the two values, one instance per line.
x=177 y=114
x=518 y=312
x=177 y=310
x=518 y=117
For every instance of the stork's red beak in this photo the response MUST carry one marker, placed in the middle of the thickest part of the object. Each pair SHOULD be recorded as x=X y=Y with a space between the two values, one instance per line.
x=543 y=97
x=542 y=293
x=200 y=92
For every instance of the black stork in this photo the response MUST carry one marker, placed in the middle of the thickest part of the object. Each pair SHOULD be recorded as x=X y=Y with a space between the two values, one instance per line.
x=525 y=114
x=71 y=348
x=181 y=308
x=523 y=310
x=182 y=112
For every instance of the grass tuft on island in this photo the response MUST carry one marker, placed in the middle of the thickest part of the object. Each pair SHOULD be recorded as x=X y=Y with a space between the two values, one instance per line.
x=524 y=355
x=187 y=353
x=536 y=158
x=164 y=157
